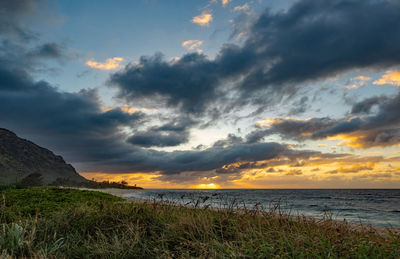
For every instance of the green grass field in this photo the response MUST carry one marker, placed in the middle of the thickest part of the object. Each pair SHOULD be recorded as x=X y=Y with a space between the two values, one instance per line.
x=52 y=222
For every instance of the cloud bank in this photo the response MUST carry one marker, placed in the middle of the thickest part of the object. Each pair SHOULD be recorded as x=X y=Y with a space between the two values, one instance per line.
x=361 y=128
x=310 y=41
x=283 y=52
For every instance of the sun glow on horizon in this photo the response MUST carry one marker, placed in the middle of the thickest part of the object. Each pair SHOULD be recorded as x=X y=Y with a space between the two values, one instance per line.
x=206 y=186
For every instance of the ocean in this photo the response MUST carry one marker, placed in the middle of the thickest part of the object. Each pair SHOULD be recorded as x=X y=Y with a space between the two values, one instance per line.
x=379 y=207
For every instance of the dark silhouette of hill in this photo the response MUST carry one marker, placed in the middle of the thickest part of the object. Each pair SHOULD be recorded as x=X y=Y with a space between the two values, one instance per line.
x=23 y=160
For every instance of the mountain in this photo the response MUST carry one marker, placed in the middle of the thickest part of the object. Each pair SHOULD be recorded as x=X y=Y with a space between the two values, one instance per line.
x=20 y=158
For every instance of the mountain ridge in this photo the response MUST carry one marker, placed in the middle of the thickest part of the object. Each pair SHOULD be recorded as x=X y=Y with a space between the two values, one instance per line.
x=21 y=157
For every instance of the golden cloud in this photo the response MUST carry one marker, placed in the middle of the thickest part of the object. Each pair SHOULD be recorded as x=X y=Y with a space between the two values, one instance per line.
x=192 y=44
x=203 y=19
x=225 y=2
x=391 y=77
x=146 y=180
x=244 y=7
x=317 y=172
x=128 y=109
x=355 y=168
x=267 y=122
x=357 y=82
x=363 y=139
x=109 y=64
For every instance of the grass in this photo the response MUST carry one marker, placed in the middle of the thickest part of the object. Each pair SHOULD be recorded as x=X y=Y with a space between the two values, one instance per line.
x=51 y=222
x=18 y=204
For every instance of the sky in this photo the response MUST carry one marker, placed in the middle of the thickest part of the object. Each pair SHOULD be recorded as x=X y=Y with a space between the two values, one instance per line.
x=208 y=94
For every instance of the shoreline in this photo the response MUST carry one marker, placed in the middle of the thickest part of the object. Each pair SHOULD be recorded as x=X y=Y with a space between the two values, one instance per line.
x=92 y=223
x=360 y=227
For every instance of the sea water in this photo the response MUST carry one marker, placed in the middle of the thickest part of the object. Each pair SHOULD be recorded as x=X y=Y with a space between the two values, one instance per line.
x=379 y=207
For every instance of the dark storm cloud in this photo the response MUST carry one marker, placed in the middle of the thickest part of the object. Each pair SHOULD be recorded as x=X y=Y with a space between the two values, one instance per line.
x=340 y=127
x=172 y=133
x=385 y=121
x=188 y=83
x=380 y=137
x=230 y=140
x=178 y=125
x=316 y=39
x=75 y=126
x=366 y=105
x=156 y=139
x=11 y=11
x=14 y=7
x=291 y=128
x=381 y=128
x=17 y=40
x=208 y=159
x=257 y=135
x=311 y=40
x=215 y=159
x=275 y=54
x=293 y=158
x=17 y=56
x=70 y=123
x=48 y=50
x=299 y=106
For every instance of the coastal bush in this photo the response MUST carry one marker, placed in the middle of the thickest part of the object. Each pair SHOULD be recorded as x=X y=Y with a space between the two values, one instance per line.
x=12 y=238
x=34 y=179
x=95 y=184
x=102 y=226
x=17 y=204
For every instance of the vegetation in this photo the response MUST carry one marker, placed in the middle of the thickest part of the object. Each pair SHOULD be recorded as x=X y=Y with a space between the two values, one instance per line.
x=94 y=184
x=36 y=179
x=52 y=222
x=20 y=204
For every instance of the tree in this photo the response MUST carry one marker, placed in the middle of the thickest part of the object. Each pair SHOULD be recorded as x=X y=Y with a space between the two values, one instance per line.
x=34 y=179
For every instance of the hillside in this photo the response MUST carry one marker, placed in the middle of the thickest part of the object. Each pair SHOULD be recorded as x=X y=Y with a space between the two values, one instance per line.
x=20 y=158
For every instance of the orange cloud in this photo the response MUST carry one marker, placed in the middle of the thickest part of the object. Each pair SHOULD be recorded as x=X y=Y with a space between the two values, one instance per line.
x=348 y=171
x=192 y=44
x=244 y=7
x=109 y=64
x=146 y=180
x=294 y=172
x=391 y=77
x=363 y=139
x=369 y=166
x=128 y=109
x=267 y=122
x=315 y=171
x=203 y=19
x=225 y=2
x=357 y=82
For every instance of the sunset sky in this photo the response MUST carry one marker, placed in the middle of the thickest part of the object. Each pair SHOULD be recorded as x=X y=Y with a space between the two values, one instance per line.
x=208 y=94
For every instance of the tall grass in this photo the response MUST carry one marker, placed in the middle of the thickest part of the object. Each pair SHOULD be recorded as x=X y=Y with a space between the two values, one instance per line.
x=115 y=229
